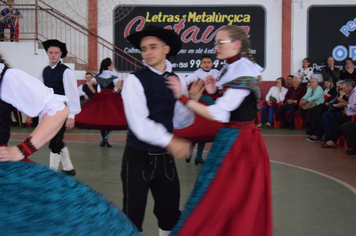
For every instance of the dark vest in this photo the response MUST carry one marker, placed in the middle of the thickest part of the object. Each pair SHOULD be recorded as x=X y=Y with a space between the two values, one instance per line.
x=5 y=112
x=160 y=103
x=53 y=78
x=87 y=91
x=247 y=110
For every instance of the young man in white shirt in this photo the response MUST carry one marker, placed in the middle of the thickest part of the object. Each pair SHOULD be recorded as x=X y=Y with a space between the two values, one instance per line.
x=62 y=79
x=152 y=112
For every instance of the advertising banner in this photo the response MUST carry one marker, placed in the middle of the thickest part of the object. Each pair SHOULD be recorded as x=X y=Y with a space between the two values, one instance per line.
x=197 y=27
x=331 y=32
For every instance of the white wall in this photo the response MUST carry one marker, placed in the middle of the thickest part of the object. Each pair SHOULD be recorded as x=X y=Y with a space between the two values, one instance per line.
x=22 y=56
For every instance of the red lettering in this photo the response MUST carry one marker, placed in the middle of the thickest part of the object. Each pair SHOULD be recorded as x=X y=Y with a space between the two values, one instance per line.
x=190 y=34
x=209 y=29
x=193 y=32
x=178 y=27
x=139 y=27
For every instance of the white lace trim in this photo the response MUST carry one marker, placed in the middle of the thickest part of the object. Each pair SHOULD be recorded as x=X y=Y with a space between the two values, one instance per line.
x=56 y=103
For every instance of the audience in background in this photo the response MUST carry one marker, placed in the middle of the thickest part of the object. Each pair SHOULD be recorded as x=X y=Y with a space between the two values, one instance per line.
x=291 y=101
x=330 y=71
x=275 y=95
x=333 y=132
x=305 y=73
x=326 y=112
x=313 y=97
x=8 y=18
x=349 y=71
x=349 y=131
x=329 y=88
x=289 y=81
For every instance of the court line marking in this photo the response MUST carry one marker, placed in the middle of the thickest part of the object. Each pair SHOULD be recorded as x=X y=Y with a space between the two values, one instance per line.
x=350 y=187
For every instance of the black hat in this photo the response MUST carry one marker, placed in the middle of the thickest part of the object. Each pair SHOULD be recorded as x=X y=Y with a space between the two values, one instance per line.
x=56 y=43
x=168 y=36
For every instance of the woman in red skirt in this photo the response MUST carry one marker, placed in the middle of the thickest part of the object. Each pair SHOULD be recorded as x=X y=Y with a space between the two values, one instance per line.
x=232 y=194
x=105 y=110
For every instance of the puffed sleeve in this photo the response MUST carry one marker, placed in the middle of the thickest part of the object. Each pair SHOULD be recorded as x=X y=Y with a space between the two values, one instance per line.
x=29 y=95
x=71 y=92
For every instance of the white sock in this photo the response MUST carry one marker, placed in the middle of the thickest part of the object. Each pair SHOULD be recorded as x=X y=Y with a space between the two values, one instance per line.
x=66 y=162
x=54 y=159
x=162 y=232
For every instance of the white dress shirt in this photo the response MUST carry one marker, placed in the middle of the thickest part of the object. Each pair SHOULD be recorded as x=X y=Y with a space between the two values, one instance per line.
x=70 y=90
x=29 y=95
x=274 y=92
x=137 y=113
x=200 y=74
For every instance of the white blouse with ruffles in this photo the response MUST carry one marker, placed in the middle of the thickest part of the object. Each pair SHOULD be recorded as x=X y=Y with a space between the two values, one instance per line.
x=29 y=95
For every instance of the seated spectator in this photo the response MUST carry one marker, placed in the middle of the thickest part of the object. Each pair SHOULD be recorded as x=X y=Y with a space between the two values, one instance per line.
x=326 y=112
x=330 y=71
x=275 y=95
x=349 y=71
x=8 y=17
x=289 y=81
x=313 y=97
x=305 y=73
x=349 y=131
x=329 y=87
x=291 y=102
x=84 y=91
x=333 y=132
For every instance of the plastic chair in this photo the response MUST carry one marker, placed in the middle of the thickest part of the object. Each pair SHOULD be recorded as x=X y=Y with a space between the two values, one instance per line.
x=326 y=96
x=276 y=122
x=341 y=141
x=16 y=33
x=298 y=122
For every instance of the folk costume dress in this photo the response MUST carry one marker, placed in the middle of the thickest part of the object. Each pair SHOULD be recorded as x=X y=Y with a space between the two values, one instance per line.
x=28 y=95
x=232 y=194
x=36 y=200
x=105 y=111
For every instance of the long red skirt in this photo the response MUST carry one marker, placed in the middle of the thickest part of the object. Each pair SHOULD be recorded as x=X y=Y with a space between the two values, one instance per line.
x=105 y=111
x=232 y=194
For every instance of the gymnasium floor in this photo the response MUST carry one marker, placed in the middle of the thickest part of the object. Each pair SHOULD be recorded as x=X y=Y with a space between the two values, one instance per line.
x=314 y=189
